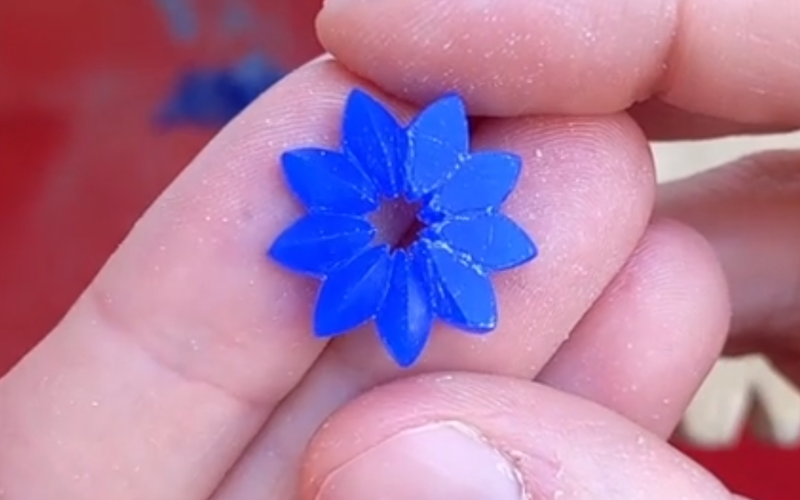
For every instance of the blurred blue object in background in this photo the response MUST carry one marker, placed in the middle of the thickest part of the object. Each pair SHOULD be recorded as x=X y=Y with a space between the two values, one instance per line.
x=209 y=97
x=182 y=18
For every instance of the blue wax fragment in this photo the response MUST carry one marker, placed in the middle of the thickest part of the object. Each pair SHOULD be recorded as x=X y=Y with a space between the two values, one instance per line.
x=353 y=293
x=405 y=320
x=438 y=140
x=372 y=136
x=319 y=243
x=491 y=240
x=465 y=296
x=483 y=181
x=327 y=181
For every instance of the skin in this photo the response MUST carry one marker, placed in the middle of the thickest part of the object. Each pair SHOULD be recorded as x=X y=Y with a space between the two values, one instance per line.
x=186 y=370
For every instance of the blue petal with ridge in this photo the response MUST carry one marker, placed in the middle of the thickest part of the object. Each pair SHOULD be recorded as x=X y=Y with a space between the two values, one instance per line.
x=372 y=136
x=491 y=240
x=319 y=243
x=438 y=141
x=405 y=319
x=464 y=294
x=354 y=293
x=483 y=181
x=327 y=181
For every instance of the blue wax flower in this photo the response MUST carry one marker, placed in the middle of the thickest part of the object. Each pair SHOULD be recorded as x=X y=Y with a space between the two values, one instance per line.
x=443 y=272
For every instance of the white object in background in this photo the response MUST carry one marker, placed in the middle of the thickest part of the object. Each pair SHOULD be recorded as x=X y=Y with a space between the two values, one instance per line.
x=742 y=392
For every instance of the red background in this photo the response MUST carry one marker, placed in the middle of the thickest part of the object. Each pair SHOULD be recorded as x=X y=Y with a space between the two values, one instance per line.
x=80 y=157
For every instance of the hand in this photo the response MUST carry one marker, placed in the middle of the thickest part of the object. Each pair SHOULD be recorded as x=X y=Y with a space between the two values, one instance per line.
x=186 y=371
x=684 y=70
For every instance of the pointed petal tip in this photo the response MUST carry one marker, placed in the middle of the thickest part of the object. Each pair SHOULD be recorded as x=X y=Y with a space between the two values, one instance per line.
x=405 y=320
x=512 y=160
x=321 y=333
x=531 y=252
x=450 y=106
x=362 y=103
x=526 y=250
x=359 y=93
x=281 y=250
x=403 y=352
x=451 y=98
x=488 y=326
x=491 y=239
x=374 y=137
x=358 y=99
x=438 y=143
x=274 y=252
x=405 y=360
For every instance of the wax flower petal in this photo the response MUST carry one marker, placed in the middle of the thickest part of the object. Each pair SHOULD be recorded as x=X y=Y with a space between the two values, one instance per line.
x=465 y=295
x=490 y=240
x=373 y=137
x=483 y=182
x=328 y=181
x=405 y=320
x=438 y=140
x=353 y=294
x=319 y=243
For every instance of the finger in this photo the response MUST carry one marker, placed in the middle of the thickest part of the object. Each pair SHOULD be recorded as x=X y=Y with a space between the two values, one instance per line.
x=189 y=337
x=584 y=195
x=511 y=57
x=748 y=210
x=665 y=313
x=471 y=436
x=662 y=122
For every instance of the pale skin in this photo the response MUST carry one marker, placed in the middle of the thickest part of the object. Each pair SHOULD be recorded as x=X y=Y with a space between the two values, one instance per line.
x=187 y=371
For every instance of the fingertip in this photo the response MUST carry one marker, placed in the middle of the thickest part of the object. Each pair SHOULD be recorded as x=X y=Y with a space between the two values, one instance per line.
x=462 y=435
x=748 y=211
x=517 y=57
x=506 y=57
x=651 y=338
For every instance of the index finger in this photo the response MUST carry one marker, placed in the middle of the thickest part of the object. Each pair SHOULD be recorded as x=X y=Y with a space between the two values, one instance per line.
x=171 y=361
x=731 y=59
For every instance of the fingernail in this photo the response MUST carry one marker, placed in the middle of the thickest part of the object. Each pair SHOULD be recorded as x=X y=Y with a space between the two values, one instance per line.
x=443 y=460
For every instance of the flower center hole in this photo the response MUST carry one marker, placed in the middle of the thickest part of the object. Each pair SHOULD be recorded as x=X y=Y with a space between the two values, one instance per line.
x=397 y=223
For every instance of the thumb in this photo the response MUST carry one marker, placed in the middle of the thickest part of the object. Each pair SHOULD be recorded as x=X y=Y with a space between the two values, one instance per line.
x=476 y=436
x=749 y=211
